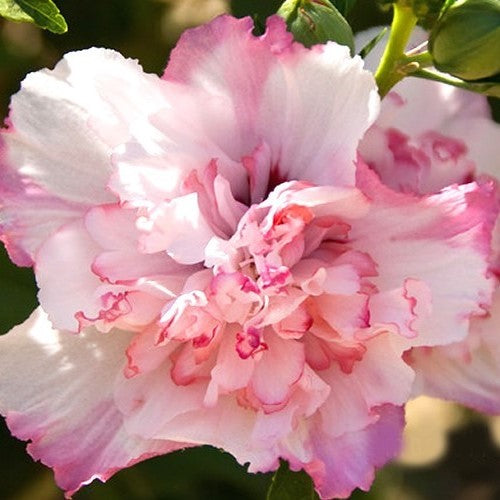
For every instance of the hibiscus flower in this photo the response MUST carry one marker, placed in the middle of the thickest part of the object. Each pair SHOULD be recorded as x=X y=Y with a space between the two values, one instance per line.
x=218 y=266
x=427 y=137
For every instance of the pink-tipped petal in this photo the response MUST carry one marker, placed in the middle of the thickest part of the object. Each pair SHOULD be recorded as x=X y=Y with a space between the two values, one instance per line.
x=56 y=153
x=64 y=276
x=56 y=389
x=467 y=372
x=301 y=143
x=347 y=462
x=442 y=240
x=380 y=377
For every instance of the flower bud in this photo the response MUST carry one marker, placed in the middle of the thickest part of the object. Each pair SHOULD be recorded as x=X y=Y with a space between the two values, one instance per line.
x=316 y=21
x=465 y=41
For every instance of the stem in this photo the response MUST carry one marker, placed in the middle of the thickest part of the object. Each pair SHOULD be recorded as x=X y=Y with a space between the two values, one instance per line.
x=388 y=73
x=490 y=88
x=424 y=59
x=429 y=75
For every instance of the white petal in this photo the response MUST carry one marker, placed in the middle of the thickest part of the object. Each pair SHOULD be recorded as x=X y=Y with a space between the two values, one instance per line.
x=56 y=389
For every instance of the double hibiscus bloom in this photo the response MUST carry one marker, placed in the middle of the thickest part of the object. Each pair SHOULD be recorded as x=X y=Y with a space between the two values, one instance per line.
x=238 y=254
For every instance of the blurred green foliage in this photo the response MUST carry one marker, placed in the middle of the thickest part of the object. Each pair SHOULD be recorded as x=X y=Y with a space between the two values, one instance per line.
x=18 y=293
x=43 y=13
x=146 y=30
x=289 y=485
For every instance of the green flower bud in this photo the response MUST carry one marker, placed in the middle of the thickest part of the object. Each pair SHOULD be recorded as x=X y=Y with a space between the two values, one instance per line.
x=465 y=41
x=316 y=21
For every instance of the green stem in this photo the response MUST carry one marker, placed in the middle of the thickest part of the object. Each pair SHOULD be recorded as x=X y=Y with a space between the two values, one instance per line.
x=489 y=88
x=429 y=75
x=423 y=59
x=389 y=72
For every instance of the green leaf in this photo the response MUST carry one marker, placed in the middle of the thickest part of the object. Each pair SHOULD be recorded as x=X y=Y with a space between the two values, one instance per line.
x=43 y=13
x=11 y=11
x=289 y=485
x=372 y=43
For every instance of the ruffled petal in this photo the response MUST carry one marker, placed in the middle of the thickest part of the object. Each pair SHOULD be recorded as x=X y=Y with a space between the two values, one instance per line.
x=349 y=461
x=230 y=373
x=468 y=372
x=407 y=107
x=229 y=89
x=56 y=389
x=64 y=276
x=271 y=386
x=120 y=261
x=420 y=148
x=424 y=164
x=277 y=75
x=56 y=153
x=179 y=228
x=381 y=377
x=146 y=401
x=443 y=241
x=91 y=271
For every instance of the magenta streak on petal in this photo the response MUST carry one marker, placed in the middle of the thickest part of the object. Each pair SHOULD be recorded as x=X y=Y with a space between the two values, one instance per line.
x=249 y=343
x=115 y=306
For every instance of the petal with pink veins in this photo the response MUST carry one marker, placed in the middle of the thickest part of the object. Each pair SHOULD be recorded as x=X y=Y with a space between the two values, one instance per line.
x=144 y=354
x=442 y=240
x=215 y=199
x=396 y=310
x=191 y=362
x=310 y=393
x=344 y=315
x=456 y=117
